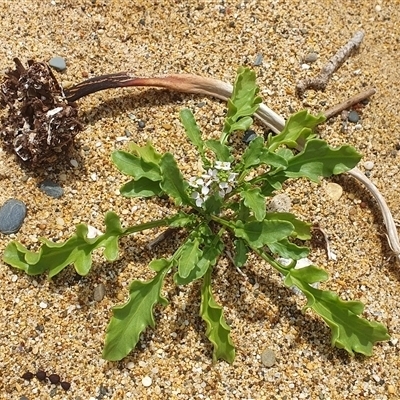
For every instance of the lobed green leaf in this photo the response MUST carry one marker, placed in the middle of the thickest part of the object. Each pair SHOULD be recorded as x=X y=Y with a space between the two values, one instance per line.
x=218 y=331
x=132 y=318
x=298 y=128
x=135 y=166
x=320 y=160
x=349 y=331
x=255 y=201
x=172 y=180
x=258 y=234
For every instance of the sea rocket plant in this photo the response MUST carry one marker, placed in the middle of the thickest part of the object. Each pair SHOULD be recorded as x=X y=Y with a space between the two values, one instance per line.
x=225 y=203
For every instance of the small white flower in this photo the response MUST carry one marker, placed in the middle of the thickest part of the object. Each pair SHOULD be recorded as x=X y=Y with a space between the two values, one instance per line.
x=223 y=165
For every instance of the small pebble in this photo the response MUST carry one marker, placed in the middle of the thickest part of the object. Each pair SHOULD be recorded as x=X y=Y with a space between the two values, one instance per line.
x=353 y=117
x=334 y=191
x=43 y=304
x=93 y=177
x=147 y=381
x=141 y=124
x=268 y=358
x=54 y=379
x=51 y=188
x=280 y=203
x=249 y=136
x=41 y=375
x=23 y=398
x=53 y=392
x=391 y=389
x=258 y=61
x=27 y=376
x=167 y=127
x=99 y=292
x=310 y=58
x=368 y=165
x=74 y=163
x=305 y=66
x=65 y=385
x=12 y=215
x=58 y=63
x=130 y=365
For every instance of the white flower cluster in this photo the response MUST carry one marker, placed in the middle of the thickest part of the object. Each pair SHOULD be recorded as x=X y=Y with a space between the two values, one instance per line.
x=218 y=178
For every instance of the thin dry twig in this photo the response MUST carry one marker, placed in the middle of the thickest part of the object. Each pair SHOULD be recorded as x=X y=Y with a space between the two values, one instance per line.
x=358 y=98
x=320 y=81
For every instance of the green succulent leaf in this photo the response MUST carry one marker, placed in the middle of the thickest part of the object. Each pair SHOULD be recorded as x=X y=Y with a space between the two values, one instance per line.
x=172 y=180
x=241 y=251
x=298 y=128
x=143 y=187
x=218 y=331
x=212 y=249
x=258 y=234
x=132 y=318
x=243 y=103
x=318 y=159
x=54 y=257
x=255 y=201
x=193 y=132
x=221 y=151
x=190 y=254
x=135 y=166
x=286 y=249
x=349 y=331
x=148 y=153
x=302 y=230
x=251 y=156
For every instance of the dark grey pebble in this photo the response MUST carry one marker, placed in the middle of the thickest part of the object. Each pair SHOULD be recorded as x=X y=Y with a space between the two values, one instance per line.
x=51 y=188
x=141 y=124
x=258 y=61
x=310 y=58
x=12 y=215
x=99 y=292
x=249 y=136
x=23 y=398
x=58 y=63
x=53 y=392
x=268 y=357
x=353 y=117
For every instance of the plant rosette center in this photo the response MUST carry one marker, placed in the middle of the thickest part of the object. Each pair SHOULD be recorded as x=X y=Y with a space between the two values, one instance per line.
x=218 y=180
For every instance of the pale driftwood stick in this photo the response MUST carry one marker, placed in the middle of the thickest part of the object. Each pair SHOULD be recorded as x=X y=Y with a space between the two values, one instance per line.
x=320 y=81
x=221 y=90
x=358 y=98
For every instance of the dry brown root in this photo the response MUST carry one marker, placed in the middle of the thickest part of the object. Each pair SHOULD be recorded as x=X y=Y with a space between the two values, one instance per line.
x=320 y=81
x=40 y=124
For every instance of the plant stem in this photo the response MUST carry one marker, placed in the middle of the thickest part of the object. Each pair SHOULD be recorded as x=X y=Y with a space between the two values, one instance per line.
x=146 y=225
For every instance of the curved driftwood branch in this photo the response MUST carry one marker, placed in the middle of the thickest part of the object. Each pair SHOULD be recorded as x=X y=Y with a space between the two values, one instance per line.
x=196 y=84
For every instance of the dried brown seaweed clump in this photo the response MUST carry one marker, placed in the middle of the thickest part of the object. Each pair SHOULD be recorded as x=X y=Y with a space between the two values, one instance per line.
x=40 y=125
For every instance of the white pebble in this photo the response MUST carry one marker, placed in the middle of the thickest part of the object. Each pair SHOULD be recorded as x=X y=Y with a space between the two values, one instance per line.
x=42 y=304
x=378 y=8
x=130 y=365
x=93 y=177
x=14 y=278
x=368 y=165
x=147 y=381
x=60 y=221
x=74 y=163
x=305 y=66
x=334 y=191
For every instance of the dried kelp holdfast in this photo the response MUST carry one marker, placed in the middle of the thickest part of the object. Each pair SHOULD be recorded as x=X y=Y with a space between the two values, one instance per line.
x=40 y=124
